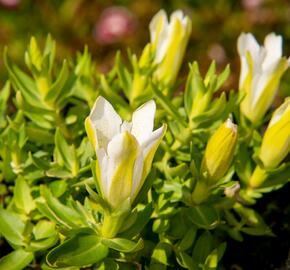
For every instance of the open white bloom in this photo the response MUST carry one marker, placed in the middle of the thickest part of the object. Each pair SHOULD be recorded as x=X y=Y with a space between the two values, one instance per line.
x=124 y=150
x=169 y=40
x=261 y=71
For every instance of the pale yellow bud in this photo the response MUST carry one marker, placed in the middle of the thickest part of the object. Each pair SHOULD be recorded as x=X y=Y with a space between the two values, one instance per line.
x=219 y=152
x=276 y=140
x=169 y=40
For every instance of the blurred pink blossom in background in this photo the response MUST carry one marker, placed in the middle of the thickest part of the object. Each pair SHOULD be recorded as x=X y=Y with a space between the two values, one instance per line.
x=114 y=24
x=252 y=4
x=10 y=3
x=217 y=52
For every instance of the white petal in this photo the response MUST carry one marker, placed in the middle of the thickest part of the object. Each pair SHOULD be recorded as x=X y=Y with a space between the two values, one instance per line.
x=258 y=85
x=161 y=15
x=123 y=151
x=143 y=121
x=102 y=160
x=283 y=109
x=159 y=34
x=273 y=46
x=150 y=142
x=105 y=120
x=126 y=126
x=244 y=71
x=115 y=154
x=137 y=175
x=248 y=43
x=177 y=15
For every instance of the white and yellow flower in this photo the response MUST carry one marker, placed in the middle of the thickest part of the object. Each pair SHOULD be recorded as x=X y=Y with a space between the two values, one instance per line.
x=124 y=150
x=169 y=40
x=261 y=70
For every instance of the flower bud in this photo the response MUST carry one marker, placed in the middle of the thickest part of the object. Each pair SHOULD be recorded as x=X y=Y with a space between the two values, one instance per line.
x=219 y=152
x=169 y=40
x=276 y=140
x=261 y=70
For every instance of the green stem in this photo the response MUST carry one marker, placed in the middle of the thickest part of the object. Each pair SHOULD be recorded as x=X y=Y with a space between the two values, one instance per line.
x=200 y=192
x=112 y=224
x=60 y=123
x=258 y=177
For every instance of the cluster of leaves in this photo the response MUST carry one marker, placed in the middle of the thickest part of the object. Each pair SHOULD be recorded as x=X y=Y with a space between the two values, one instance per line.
x=50 y=212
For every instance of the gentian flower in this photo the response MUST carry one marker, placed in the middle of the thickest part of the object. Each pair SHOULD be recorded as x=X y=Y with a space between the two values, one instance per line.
x=261 y=70
x=124 y=150
x=169 y=40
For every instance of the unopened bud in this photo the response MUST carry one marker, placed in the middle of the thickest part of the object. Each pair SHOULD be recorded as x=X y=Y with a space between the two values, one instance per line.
x=219 y=152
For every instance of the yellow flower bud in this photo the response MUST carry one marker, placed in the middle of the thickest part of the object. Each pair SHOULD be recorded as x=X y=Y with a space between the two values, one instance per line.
x=276 y=140
x=275 y=144
x=169 y=40
x=219 y=152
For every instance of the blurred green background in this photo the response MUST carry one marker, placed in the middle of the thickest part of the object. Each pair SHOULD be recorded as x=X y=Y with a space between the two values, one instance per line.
x=107 y=26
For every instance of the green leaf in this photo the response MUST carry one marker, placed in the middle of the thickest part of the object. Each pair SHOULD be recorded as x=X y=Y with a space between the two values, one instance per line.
x=194 y=88
x=125 y=78
x=187 y=240
x=16 y=260
x=43 y=244
x=168 y=106
x=58 y=85
x=58 y=187
x=143 y=217
x=4 y=96
x=58 y=172
x=214 y=257
x=38 y=135
x=44 y=229
x=223 y=77
x=202 y=247
x=81 y=250
x=56 y=211
x=108 y=92
x=160 y=256
x=22 y=197
x=123 y=245
x=12 y=227
x=107 y=264
x=98 y=199
x=204 y=216
x=186 y=261
x=22 y=82
x=65 y=154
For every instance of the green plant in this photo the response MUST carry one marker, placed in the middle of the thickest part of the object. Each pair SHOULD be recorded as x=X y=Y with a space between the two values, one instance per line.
x=63 y=207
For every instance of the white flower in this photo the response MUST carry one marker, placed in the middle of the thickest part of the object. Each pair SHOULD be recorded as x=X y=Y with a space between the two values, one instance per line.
x=261 y=71
x=169 y=40
x=124 y=150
